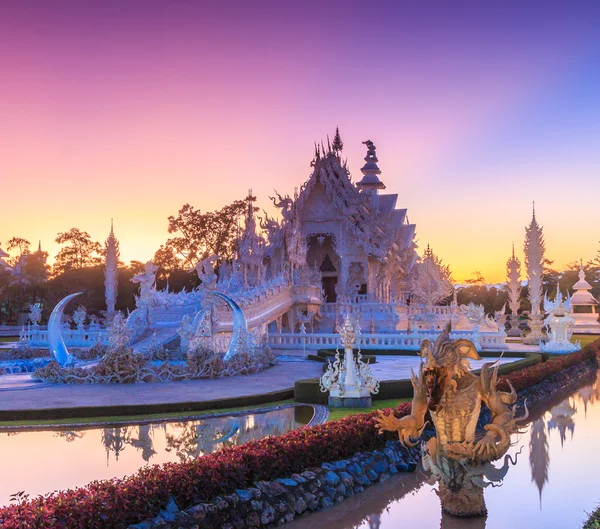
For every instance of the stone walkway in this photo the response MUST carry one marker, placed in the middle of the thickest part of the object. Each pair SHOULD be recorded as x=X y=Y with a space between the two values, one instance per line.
x=19 y=392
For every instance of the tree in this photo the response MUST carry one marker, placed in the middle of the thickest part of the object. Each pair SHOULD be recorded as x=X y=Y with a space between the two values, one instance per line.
x=167 y=262
x=477 y=279
x=80 y=252
x=135 y=267
x=204 y=234
x=20 y=244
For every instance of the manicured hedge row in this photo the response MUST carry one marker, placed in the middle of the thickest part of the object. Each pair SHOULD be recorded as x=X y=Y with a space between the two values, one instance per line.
x=117 y=503
x=412 y=352
x=533 y=375
x=308 y=390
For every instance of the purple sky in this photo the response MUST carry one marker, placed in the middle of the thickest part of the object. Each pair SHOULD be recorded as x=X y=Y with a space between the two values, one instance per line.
x=130 y=109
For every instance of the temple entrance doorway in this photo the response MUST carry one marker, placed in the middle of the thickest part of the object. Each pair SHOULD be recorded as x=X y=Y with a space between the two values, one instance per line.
x=329 y=284
x=322 y=254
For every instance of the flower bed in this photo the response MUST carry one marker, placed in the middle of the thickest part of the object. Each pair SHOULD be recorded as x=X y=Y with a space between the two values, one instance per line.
x=530 y=376
x=117 y=503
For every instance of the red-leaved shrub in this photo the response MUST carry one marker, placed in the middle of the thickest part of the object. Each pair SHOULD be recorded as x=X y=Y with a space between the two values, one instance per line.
x=117 y=503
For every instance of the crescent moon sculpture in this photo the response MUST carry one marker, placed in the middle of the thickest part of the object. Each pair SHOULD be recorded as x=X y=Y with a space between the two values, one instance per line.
x=55 y=338
x=240 y=327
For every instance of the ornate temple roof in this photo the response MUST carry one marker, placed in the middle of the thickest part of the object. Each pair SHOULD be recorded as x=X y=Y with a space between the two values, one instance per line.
x=370 y=217
x=581 y=295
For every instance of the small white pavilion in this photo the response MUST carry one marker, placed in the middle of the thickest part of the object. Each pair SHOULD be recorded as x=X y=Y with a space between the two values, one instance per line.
x=584 y=307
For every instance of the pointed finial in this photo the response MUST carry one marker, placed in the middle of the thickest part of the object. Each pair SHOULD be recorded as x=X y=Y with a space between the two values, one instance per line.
x=39 y=246
x=513 y=249
x=111 y=227
x=534 y=210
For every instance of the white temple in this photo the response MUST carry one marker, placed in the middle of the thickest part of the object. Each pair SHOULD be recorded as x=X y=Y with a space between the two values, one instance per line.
x=341 y=248
x=584 y=307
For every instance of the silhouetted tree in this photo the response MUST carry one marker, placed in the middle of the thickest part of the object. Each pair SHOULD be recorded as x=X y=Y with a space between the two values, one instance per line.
x=204 y=234
x=80 y=251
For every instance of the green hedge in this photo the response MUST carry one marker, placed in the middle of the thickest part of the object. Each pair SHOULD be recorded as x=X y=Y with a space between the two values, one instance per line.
x=407 y=352
x=308 y=390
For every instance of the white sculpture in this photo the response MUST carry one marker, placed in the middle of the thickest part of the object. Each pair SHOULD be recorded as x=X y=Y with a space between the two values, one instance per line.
x=431 y=280
x=79 y=317
x=119 y=334
x=534 y=259
x=349 y=380
x=206 y=273
x=146 y=280
x=110 y=273
x=513 y=288
x=560 y=322
x=35 y=314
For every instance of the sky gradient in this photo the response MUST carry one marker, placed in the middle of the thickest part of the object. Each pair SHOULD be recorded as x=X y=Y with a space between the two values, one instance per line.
x=130 y=109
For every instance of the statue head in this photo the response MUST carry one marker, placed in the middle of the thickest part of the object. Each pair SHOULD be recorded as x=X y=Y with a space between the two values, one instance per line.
x=445 y=360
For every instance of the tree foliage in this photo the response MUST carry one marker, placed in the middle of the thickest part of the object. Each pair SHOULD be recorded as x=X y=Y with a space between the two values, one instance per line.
x=200 y=235
x=477 y=279
x=80 y=251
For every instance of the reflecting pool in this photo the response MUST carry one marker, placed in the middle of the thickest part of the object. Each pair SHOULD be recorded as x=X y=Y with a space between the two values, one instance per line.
x=38 y=462
x=553 y=484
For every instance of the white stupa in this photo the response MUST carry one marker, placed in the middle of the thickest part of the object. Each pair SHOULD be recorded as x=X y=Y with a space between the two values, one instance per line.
x=584 y=307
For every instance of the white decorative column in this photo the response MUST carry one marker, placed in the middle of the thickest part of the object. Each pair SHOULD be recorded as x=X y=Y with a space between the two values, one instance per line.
x=110 y=273
x=513 y=288
x=534 y=258
x=349 y=379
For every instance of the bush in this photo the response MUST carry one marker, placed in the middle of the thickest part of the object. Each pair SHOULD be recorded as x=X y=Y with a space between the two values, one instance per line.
x=530 y=376
x=117 y=503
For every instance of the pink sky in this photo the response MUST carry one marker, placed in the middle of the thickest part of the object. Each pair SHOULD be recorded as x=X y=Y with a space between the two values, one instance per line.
x=129 y=110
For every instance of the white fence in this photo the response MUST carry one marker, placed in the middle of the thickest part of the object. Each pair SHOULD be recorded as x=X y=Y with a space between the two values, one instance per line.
x=382 y=342
x=10 y=330
x=73 y=337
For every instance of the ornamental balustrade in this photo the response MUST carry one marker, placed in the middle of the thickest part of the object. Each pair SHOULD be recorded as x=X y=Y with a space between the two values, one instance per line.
x=85 y=337
x=382 y=341
x=12 y=330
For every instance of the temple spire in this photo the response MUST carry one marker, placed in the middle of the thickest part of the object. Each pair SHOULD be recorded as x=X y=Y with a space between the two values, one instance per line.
x=370 y=181
x=111 y=247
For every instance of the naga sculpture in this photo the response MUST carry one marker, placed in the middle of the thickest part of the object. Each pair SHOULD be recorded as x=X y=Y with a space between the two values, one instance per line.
x=458 y=457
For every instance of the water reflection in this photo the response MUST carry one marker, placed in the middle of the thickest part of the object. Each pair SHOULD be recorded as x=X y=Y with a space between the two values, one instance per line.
x=539 y=455
x=43 y=461
x=568 y=486
x=562 y=419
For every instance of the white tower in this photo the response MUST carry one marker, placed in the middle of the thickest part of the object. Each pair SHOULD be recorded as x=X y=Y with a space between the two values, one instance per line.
x=111 y=247
x=534 y=258
x=513 y=288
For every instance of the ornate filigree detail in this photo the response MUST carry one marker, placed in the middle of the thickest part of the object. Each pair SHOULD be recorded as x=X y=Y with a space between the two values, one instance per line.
x=453 y=395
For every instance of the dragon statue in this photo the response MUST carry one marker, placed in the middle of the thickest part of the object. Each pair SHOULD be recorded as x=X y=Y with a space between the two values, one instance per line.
x=458 y=456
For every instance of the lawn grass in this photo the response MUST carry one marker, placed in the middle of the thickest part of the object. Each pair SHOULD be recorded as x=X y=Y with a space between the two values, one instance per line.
x=338 y=413
x=585 y=339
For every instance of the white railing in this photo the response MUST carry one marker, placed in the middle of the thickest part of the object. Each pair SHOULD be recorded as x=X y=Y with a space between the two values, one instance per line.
x=344 y=309
x=10 y=330
x=392 y=341
x=73 y=337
